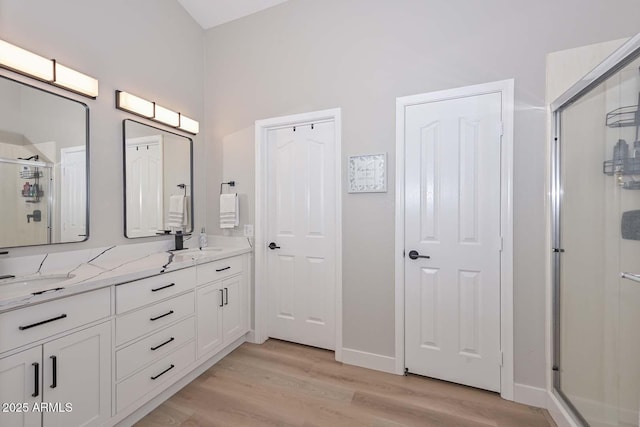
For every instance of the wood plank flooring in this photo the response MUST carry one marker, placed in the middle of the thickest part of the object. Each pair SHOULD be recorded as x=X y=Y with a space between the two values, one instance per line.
x=284 y=384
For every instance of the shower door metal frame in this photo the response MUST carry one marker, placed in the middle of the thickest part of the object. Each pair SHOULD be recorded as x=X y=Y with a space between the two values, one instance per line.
x=624 y=55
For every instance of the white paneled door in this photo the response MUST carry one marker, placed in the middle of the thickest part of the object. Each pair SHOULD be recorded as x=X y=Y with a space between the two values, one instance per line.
x=301 y=233
x=73 y=188
x=452 y=240
x=145 y=186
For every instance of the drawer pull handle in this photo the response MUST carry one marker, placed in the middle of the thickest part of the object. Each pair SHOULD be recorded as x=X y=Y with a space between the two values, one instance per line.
x=221 y=298
x=163 y=287
x=36 y=371
x=226 y=294
x=163 y=344
x=33 y=325
x=161 y=316
x=223 y=269
x=155 y=377
x=54 y=372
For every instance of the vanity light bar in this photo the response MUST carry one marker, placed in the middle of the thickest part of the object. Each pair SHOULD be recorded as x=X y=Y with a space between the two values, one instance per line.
x=150 y=110
x=28 y=63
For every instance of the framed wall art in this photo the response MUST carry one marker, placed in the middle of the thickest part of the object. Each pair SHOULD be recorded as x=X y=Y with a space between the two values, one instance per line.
x=368 y=173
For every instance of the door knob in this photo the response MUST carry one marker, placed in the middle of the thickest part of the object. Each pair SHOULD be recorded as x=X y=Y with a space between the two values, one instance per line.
x=416 y=255
x=273 y=246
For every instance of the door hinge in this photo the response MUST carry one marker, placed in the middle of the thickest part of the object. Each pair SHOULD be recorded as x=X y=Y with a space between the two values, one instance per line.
x=501 y=128
x=404 y=254
x=501 y=358
x=501 y=244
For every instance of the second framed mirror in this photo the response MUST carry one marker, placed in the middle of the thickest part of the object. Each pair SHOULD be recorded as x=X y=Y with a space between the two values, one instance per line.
x=158 y=181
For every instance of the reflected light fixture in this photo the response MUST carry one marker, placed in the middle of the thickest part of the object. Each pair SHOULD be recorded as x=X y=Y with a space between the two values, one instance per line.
x=48 y=70
x=150 y=110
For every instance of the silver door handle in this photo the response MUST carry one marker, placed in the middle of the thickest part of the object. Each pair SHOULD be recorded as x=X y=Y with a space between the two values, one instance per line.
x=630 y=276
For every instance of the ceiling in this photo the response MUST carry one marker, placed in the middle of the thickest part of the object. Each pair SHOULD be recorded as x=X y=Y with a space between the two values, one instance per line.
x=209 y=13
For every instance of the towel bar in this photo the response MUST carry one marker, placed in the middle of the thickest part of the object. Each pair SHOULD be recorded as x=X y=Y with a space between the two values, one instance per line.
x=230 y=184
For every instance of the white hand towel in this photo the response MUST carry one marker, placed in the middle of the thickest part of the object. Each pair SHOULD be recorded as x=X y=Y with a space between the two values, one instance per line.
x=176 y=204
x=229 y=210
x=177 y=217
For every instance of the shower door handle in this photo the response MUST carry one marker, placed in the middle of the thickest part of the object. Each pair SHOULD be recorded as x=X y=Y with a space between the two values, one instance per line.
x=631 y=276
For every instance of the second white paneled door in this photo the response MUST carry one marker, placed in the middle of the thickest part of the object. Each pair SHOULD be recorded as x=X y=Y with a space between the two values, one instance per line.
x=301 y=233
x=452 y=239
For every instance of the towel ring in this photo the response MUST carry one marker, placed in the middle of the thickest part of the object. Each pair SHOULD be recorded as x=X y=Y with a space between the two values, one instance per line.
x=184 y=187
x=230 y=184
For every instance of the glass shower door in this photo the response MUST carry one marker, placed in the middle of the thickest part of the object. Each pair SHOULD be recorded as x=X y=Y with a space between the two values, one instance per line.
x=597 y=308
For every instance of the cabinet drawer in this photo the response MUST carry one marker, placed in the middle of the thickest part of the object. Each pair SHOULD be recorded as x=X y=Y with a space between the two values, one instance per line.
x=20 y=327
x=147 y=291
x=145 y=351
x=148 y=319
x=219 y=269
x=158 y=373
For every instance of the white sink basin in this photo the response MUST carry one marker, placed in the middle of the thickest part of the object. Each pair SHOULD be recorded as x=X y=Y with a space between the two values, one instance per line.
x=34 y=283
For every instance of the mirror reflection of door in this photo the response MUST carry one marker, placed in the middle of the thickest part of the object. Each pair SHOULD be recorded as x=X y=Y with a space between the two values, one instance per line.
x=73 y=164
x=145 y=199
x=158 y=180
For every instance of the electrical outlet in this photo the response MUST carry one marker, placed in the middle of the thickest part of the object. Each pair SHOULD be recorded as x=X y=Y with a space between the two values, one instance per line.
x=248 y=230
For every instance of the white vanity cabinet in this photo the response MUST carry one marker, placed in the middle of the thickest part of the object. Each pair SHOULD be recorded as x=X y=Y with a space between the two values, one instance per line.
x=20 y=385
x=222 y=304
x=210 y=305
x=77 y=371
x=155 y=333
x=107 y=356
x=65 y=381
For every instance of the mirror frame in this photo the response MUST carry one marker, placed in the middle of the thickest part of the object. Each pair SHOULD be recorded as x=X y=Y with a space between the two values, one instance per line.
x=124 y=175
x=87 y=169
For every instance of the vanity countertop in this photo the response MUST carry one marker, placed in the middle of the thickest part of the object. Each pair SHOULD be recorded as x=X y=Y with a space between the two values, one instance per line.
x=109 y=267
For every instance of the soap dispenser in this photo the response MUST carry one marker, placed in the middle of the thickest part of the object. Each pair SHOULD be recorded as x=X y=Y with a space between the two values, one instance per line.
x=203 y=239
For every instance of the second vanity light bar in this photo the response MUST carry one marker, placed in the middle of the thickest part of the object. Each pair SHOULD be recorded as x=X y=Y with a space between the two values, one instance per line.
x=48 y=70
x=150 y=110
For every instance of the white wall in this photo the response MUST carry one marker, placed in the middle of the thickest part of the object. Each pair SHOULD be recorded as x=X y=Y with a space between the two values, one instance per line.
x=148 y=47
x=360 y=55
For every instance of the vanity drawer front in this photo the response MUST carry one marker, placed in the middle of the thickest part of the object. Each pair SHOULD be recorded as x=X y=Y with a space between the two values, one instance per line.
x=217 y=270
x=29 y=324
x=137 y=386
x=147 y=291
x=145 y=351
x=149 y=319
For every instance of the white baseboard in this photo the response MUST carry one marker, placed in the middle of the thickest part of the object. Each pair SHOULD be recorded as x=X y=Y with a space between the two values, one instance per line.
x=559 y=413
x=251 y=337
x=369 y=360
x=532 y=396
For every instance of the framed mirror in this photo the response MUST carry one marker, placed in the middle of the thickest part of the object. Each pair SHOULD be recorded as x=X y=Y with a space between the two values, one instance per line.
x=44 y=167
x=158 y=181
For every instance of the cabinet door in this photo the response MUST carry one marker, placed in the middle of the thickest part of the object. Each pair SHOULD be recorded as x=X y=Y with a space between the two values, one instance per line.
x=233 y=311
x=21 y=383
x=210 y=300
x=77 y=371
